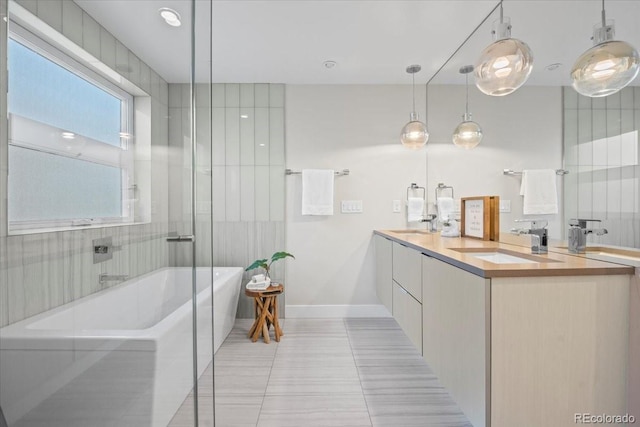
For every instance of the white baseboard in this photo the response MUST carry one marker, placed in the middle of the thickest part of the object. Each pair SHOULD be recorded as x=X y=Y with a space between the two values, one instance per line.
x=335 y=311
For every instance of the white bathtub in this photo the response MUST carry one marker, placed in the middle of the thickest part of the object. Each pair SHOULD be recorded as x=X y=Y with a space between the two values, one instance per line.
x=121 y=355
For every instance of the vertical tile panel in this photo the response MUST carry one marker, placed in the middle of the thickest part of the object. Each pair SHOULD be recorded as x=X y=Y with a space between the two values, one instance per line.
x=585 y=191
x=626 y=98
x=276 y=193
x=203 y=137
x=597 y=104
x=276 y=95
x=261 y=136
x=247 y=193
x=36 y=282
x=629 y=197
x=232 y=199
x=599 y=194
x=599 y=124
x=613 y=101
x=218 y=138
x=50 y=11
x=571 y=137
x=232 y=136
x=156 y=90
x=276 y=136
x=585 y=145
x=636 y=97
x=15 y=279
x=54 y=258
x=175 y=95
x=107 y=47
x=164 y=92
x=570 y=98
x=219 y=193
x=203 y=95
x=218 y=91
x=261 y=95
x=584 y=102
x=134 y=69
x=145 y=78
x=247 y=140
x=246 y=95
x=72 y=22
x=90 y=35
x=262 y=187
x=122 y=60
x=232 y=95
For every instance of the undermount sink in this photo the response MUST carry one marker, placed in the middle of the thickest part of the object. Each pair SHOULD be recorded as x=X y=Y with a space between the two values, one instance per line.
x=500 y=258
x=503 y=256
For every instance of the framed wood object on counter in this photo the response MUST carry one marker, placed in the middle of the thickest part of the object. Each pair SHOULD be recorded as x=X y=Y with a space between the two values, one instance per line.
x=480 y=217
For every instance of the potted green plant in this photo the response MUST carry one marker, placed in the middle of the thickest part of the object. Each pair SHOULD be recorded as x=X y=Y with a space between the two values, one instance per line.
x=266 y=263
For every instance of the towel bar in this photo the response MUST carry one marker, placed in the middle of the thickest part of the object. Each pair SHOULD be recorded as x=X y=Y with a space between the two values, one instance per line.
x=512 y=172
x=338 y=173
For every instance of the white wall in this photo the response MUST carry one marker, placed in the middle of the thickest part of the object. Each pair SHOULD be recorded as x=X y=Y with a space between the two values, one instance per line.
x=357 y=127
x=353 y=127
x=521 y=131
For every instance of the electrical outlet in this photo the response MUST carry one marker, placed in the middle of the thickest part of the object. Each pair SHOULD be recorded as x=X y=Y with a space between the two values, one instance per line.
x=397 y=206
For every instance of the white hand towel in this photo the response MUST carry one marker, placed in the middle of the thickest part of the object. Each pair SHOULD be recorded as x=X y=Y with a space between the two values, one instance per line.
x=446 y=208
x=415 y=209
x=539 y=191
x=317 y=191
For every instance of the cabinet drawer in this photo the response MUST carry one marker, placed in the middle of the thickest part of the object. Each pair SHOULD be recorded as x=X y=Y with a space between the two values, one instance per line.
x=384 y=280
x=408 y=313
x=407 y=269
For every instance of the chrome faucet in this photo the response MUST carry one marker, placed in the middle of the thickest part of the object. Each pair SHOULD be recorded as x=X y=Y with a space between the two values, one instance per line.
x=103 y=278
x=538 y=232
x=578 y=234
x=432 y=220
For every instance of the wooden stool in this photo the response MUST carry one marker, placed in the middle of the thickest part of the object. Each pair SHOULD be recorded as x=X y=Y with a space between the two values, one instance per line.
x=265 y=305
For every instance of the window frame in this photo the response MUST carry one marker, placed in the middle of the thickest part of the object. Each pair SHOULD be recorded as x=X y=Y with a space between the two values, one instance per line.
x=122 y=157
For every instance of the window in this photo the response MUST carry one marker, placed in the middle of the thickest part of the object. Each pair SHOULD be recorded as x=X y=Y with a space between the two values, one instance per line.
x=70 y=151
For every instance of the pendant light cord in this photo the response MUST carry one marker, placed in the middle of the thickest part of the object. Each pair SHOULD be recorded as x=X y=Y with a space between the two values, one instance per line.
x=501 y=12
x=604 y=19
x=466 y=108
x=413 y=86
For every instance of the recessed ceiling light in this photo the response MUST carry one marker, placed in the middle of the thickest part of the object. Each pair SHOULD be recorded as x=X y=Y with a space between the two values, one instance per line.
x=68 y=135
x=244 y=116
x=329 y=64
x=261 y=145
x=170 y=16
x=552 y=67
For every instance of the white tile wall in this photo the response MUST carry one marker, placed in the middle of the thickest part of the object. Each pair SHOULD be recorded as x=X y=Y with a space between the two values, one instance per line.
x=90 y=35
x=247 y=177
x=606 y=169
x=42 y=271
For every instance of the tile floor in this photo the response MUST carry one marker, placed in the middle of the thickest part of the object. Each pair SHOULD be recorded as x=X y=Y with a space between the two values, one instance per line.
x=324 y=372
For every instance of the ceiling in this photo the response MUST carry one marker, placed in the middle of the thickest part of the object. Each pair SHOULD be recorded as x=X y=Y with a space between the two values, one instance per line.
x=372 y=41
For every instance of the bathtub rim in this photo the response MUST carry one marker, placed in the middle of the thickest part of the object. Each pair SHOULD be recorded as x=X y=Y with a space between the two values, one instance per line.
x=18 y=336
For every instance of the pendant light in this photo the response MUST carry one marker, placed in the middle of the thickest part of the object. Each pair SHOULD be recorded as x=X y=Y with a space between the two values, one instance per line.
x=505 y=64
x=608 y=66
x=468 y=134
x=414 y=134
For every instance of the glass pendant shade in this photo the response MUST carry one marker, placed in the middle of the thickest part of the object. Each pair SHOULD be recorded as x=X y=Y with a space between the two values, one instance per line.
x=414 y=134
x=468 y=134
x=503 y=67
x=605 y=68
x=505 y=64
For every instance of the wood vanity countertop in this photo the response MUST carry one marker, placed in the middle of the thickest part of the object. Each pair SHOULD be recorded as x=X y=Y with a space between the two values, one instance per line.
x=458 y=251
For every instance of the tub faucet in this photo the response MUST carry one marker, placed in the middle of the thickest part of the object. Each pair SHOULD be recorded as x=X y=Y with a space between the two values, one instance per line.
x=538 y=232
x=578 y=231
x=103 y=278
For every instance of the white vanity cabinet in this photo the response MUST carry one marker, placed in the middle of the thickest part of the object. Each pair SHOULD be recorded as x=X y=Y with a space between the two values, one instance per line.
x=384 y=280
x=455 y=338
x=407 y=269
x=407 y=291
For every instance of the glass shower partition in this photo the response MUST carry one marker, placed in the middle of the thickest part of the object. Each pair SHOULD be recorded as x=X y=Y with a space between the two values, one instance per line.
x=105 y=288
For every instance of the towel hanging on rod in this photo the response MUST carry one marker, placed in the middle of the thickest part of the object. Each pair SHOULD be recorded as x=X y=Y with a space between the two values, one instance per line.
x=337 y=173
x=514 y=173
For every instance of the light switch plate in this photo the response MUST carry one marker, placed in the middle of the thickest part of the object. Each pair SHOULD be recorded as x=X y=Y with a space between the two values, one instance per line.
x=397 y=206
x=351 y=206
x=505 y=205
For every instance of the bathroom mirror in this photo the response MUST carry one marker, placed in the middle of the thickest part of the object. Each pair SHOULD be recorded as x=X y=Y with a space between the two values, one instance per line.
x=545 y=124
